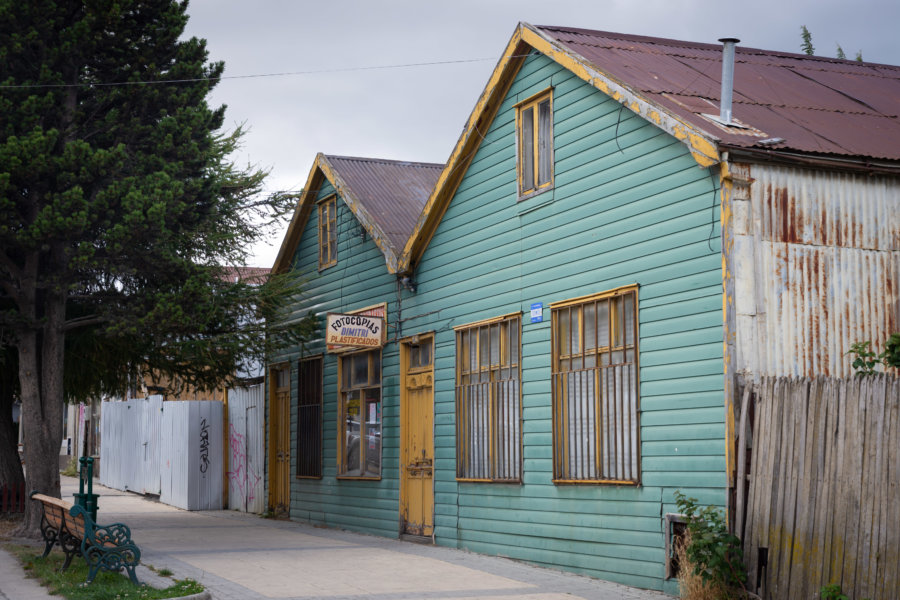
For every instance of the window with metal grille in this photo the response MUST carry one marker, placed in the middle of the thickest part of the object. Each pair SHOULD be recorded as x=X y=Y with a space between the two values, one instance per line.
x=595 y=389
x=534 y=129
x=488 y=412
x=328 y=232
x=309 y=417
x=360 y=377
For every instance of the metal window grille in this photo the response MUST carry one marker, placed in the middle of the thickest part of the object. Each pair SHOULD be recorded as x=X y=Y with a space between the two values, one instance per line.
x=488 y=407
x=309 y=418
x=595 y=390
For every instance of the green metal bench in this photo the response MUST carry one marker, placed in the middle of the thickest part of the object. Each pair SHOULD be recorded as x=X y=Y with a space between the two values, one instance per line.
x=106 y=547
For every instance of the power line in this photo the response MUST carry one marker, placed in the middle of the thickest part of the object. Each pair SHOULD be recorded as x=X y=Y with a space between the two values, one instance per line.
x=252 y=76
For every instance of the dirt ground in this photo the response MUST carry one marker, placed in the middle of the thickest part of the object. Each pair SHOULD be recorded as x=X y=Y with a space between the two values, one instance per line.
x=8 y=523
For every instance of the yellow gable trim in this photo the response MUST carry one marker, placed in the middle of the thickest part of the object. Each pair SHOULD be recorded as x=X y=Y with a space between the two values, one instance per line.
x=702 y=146
x=322 y=169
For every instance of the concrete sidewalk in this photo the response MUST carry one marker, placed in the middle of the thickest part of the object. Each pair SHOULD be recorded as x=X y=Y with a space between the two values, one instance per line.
x=244 y=557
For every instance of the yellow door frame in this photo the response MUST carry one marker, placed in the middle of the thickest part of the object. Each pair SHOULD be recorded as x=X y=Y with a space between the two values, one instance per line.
x=417 y=467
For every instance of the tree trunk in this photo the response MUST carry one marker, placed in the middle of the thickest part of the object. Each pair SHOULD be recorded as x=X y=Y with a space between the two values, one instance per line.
x=41 y=382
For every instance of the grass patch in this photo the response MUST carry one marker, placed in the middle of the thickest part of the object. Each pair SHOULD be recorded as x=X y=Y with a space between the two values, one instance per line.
x=106 y=586
x=71 y=469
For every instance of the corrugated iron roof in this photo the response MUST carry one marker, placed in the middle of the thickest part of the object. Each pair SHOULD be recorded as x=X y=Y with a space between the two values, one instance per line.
x=245 y=274
x=393 y=193
x=817 y=105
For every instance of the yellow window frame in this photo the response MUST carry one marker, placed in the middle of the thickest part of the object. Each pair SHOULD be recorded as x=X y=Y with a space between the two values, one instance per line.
x=327 y=210
x=533 y=142
x=342 y=409
x=561 y=437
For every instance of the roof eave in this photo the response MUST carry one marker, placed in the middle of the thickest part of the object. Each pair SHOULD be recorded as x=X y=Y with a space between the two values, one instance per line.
x=857 y=164
x=298 y=220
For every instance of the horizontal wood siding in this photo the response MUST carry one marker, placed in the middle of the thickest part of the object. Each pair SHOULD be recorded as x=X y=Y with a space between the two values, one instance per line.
x=629 y=205
x=359 y=279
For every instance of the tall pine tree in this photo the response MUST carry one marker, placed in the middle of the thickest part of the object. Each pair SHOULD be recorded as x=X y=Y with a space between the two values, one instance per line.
x=118 y=206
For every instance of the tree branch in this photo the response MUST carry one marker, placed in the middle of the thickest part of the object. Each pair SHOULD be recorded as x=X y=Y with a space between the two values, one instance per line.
x=83 y=322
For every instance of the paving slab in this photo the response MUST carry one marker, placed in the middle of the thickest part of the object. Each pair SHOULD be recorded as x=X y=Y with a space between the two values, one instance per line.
x=238 y=556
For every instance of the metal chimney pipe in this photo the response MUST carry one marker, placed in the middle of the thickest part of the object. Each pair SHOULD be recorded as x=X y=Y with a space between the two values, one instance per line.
x=727 y=79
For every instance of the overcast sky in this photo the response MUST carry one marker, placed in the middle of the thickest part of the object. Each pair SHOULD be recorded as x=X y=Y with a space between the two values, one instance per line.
x=344 y=103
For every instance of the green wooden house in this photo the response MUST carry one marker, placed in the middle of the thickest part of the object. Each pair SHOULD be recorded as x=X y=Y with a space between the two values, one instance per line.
x=609 y=251
x=335 y=462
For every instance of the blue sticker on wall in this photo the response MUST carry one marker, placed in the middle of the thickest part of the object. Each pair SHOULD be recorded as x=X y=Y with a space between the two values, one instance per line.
x=537 y=312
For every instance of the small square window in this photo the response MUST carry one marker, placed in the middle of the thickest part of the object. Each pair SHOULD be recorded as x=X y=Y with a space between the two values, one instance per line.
x=328 y=232
x=534 y=128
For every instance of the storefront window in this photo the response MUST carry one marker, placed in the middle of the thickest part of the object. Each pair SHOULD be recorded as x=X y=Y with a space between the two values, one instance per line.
x=361 y=414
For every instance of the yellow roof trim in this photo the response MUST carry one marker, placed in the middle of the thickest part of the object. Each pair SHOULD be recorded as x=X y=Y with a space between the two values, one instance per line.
x=323 y=169
x=703 y=147
x=466 y=146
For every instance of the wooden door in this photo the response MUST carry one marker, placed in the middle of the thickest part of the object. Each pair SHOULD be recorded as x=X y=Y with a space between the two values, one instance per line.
x=417 y=437
x=280 y=440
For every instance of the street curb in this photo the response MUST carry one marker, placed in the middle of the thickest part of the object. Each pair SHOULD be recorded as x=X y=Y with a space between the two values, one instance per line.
x=204 y=595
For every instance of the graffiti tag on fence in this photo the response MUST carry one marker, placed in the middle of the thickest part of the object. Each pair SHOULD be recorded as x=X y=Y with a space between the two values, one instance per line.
x=204 y=445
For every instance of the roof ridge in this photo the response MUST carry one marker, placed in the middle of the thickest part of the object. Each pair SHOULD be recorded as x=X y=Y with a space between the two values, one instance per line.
x=385 y=161
x=713 y=46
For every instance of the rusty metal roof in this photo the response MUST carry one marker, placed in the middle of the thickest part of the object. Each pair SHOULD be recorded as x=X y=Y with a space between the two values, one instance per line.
x=818 y=105
x=393 y=193
x=386 y=196
x=249 y=275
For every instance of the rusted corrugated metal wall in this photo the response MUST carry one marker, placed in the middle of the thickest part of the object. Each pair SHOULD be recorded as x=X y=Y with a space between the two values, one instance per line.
x=816 y=267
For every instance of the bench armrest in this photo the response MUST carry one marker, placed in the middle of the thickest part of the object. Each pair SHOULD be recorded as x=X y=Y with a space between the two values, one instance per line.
x=100 y=535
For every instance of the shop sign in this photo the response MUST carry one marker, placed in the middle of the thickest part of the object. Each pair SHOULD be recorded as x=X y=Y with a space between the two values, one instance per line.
x=356 y=331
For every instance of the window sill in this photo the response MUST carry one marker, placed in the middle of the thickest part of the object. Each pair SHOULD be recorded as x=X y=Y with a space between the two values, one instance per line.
x=529 y=203
x=307 y=477
x=357 y=478
x=596 y=482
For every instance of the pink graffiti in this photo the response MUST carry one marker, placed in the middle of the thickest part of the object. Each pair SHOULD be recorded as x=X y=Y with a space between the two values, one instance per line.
x=242 y=479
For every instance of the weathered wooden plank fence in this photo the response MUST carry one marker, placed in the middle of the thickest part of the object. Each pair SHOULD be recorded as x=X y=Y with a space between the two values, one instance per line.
x=823 y=503
x=12 y=498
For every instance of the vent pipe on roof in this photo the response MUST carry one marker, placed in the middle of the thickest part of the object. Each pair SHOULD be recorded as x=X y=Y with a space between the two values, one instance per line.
x=727 y=79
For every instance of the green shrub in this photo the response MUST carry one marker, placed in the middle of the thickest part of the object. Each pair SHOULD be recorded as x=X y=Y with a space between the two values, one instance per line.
x=714 y=553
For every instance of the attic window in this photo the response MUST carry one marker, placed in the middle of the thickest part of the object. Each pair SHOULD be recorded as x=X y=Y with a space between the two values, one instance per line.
x=534 y=129
x=328 y=232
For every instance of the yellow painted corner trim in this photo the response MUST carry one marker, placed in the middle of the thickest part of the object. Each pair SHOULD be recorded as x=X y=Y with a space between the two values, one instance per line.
x=703 y=147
